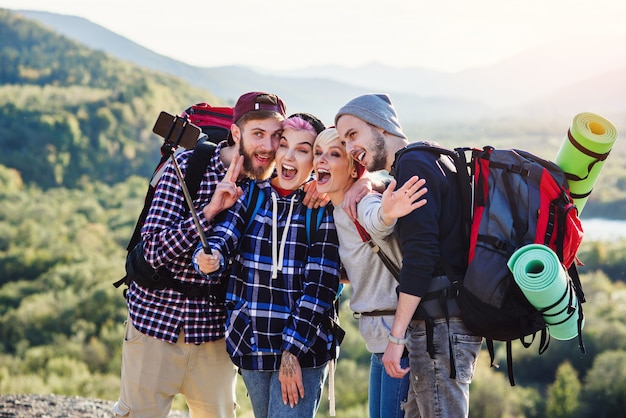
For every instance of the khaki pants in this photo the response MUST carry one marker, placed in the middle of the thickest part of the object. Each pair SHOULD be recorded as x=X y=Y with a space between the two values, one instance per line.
x=154 y=371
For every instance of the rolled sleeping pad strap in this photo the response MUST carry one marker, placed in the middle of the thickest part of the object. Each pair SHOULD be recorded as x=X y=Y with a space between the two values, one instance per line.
x=543 y=280
x=583 y=152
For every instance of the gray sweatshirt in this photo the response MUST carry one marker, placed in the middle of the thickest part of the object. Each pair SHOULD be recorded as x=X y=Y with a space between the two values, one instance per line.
x=373 y=286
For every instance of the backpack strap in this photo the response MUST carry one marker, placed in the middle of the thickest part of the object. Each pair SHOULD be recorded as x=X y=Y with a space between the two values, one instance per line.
x=198 y=162
x=197 y=165
x=573 y=274
x=597 y=158
x=365 y=236
x=337 y=333
x=136 y=237
x=254 y=200
x=311 y=228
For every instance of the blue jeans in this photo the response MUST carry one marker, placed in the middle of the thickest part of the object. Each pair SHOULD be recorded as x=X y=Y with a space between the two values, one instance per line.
x=439 y=396
x=387 y=395
x=267 y=400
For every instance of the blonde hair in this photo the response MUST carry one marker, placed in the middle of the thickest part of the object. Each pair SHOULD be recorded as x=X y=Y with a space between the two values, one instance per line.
x=327 y=136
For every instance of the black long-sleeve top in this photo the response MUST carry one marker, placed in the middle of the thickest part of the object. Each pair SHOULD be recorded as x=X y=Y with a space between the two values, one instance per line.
x=434 y=231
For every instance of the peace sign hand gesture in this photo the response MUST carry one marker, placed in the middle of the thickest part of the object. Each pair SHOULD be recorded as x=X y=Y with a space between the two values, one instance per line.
x=227 y=192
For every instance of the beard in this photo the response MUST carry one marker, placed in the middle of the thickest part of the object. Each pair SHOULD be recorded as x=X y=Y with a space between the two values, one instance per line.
x=378 y=152
x=252 y=171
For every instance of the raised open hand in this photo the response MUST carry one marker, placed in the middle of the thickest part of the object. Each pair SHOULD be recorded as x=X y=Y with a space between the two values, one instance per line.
x=397 y=203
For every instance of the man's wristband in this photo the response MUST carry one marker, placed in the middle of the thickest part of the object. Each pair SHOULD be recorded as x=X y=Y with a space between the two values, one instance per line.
x=398 y=341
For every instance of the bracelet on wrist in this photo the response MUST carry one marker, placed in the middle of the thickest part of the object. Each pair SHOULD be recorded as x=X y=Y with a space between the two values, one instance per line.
x=398 y=341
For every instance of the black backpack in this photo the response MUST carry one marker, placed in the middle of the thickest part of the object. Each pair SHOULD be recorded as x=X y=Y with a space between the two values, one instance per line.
x=215 y=124
x=511 y=199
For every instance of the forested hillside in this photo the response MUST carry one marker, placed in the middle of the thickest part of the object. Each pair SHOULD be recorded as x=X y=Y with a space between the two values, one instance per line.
x=61 y=320
x=75 y=131
x=69 y=114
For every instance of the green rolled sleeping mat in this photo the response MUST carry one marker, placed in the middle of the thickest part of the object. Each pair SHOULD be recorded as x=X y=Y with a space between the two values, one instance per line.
x=583 y=152
x=543 y=280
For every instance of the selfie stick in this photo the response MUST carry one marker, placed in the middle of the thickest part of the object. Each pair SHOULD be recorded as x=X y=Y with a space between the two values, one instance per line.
x=181 y=180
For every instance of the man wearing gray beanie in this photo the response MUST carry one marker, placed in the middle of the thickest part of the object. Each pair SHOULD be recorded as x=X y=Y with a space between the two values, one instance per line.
x=432 y=247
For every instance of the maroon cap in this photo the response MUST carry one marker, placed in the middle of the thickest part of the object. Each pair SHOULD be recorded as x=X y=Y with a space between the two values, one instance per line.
x=248 y=102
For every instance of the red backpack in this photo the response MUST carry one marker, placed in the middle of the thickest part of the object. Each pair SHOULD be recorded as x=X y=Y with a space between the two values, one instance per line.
x=215 y=122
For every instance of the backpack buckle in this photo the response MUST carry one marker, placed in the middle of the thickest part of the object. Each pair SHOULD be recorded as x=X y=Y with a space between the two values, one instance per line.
x=454 y=290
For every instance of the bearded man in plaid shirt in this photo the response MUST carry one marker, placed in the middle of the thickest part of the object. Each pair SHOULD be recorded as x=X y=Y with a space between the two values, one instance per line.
x=174 y=338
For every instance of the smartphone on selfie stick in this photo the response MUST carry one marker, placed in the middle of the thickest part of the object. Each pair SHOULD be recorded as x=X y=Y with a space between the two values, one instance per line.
x=179 y=132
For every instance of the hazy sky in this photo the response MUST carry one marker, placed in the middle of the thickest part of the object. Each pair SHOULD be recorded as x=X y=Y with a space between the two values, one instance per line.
x=447 y=35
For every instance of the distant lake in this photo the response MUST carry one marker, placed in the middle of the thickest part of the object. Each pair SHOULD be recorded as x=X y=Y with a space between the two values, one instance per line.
x=597 y=229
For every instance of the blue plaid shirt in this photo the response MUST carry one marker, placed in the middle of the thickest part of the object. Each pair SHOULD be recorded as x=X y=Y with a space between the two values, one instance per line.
x=170 y=237
x=267 y=316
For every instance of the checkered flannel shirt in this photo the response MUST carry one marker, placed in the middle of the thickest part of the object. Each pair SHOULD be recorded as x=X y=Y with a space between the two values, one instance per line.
x=170 y=237
x=268 y=316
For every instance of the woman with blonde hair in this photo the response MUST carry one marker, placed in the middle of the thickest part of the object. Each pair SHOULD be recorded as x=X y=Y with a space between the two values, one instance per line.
x=374 y=296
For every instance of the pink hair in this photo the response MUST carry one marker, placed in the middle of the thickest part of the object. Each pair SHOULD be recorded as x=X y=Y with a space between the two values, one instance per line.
x=298 y=124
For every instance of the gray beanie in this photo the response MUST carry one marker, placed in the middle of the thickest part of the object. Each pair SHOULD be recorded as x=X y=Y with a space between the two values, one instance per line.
x=375 y=109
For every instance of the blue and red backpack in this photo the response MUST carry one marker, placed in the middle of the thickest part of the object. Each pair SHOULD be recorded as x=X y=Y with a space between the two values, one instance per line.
x=510 y=198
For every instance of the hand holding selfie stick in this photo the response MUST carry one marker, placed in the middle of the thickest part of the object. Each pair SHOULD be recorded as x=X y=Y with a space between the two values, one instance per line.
x=185 y=134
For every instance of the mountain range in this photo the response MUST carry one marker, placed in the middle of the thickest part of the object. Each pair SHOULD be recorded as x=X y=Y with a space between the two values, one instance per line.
x=555 y=80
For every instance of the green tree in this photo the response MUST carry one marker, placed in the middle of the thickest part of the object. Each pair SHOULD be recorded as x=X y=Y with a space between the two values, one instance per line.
x=564 y=393
x=604 y=391
x=491 y=395
x=10 y=180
